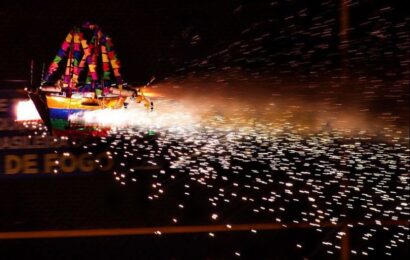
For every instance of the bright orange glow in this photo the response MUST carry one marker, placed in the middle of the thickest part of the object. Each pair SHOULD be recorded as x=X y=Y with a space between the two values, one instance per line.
x=151 y=92
x=26 y=111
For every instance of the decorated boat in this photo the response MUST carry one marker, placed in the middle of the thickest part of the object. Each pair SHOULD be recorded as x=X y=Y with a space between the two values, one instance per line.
x=84 y=76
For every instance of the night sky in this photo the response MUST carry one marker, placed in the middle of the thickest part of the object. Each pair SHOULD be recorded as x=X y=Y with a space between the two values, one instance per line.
x=142 y=31
x=164 y=37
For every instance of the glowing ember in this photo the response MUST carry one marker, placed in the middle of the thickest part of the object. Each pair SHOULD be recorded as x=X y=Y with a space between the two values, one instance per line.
x=266 y=127
x=271 y=165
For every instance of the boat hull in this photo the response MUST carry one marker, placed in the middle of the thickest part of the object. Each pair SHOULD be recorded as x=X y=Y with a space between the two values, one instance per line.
x=55 y=111
x=61 y=108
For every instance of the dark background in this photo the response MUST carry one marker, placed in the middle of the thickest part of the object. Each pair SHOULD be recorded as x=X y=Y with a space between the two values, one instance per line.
x=164 y=38
x=289 y=38
x=142 y=31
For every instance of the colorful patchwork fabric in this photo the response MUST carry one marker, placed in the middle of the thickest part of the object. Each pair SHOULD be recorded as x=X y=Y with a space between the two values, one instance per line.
x=82 y=54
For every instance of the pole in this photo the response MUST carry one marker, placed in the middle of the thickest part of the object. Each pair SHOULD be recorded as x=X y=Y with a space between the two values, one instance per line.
x=43 y=69
x=344 y=36
x=31 y=73
x=345 y=246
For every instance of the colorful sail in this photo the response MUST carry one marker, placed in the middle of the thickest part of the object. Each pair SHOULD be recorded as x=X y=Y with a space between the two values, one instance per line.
x=94 y=55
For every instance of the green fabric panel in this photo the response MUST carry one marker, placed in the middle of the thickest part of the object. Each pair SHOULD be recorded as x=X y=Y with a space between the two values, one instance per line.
x=57 y=59
x=59 y=124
